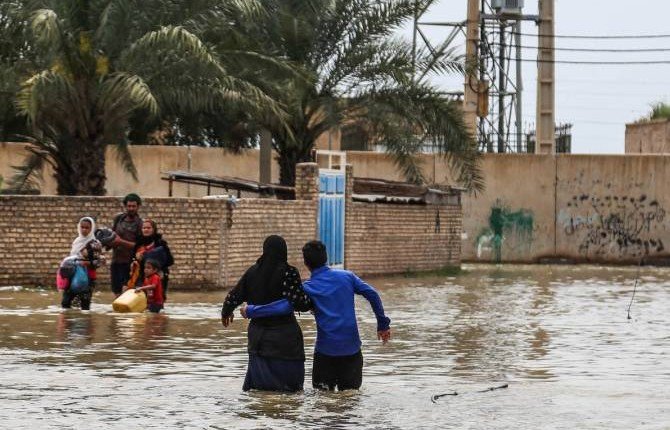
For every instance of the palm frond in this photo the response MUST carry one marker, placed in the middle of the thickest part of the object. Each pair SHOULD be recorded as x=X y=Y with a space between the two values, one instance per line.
x=405 y=119
x=114 y=21
x=172 y=39
x=46 y=29
x=266 y=64
x=378 y=64
x=404 y=150
x=27 y=177
x=374 y=21
x=125 y=158
x=440 y=61
x=45 y=88
x=243 y=9
x=122 y=93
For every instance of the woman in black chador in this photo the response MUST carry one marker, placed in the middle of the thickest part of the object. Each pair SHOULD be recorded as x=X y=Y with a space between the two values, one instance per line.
x=276 y=348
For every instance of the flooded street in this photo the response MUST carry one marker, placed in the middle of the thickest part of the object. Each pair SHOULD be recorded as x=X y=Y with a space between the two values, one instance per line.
x=558 y=335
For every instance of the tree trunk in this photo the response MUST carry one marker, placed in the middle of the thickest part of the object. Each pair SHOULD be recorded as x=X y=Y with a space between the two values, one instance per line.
x=289 y=156
x=82 y=172
x=287 y=161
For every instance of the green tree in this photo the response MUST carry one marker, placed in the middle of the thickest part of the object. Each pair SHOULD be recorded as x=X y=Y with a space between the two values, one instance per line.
x=659 y=110
x=16 y=58
x=100 y=64
x=351 y=68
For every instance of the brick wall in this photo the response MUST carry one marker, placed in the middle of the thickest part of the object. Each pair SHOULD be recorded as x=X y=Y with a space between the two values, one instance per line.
x=255 y=219
x=36 y=233
x=394 y=238
x=215 y=240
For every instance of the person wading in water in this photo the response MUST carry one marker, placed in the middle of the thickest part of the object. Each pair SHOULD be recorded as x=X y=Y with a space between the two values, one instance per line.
x=276 y=348
x=128 y=228
x=338 y=360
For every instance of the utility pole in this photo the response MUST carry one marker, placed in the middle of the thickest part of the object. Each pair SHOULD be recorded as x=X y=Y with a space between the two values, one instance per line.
x=470 y=95
x=502 y=88
x=519 y=88
x=546 y=89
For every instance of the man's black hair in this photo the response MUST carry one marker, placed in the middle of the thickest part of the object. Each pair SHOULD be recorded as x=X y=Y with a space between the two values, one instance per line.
x=314 y=253
x=132 y=197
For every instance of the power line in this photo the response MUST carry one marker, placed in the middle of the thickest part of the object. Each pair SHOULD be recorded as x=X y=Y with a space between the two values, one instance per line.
x=617 y=82
x=591 y=49
x=576 y=121
x=525 y=60
x=564 y=36
x=616 y=93
x=615 y=62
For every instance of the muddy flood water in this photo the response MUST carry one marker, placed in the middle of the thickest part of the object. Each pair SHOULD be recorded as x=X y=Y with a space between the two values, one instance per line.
x=557 y=335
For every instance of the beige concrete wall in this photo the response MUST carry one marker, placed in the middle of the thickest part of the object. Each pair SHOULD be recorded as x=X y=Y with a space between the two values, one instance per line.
x=651 y=137
x=519 y=196
x=568 y=206
x=150 y=162
x=378 y=165
x=508 y=187
x=330 y=140
x=604 y=208
x=613 y=208
x=14 y=154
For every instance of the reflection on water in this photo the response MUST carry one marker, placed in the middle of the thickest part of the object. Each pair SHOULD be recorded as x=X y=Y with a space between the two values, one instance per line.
x=558 y=335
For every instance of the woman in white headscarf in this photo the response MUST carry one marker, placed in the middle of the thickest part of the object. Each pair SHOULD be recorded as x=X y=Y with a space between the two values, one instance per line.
x=85 y=251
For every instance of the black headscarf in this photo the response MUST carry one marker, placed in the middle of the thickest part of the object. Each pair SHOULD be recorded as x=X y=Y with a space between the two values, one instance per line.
x=265 y=277
x=146 y=240
x=276 y=336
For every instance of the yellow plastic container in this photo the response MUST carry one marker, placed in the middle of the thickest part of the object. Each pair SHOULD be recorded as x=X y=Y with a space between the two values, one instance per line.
x=130 y=301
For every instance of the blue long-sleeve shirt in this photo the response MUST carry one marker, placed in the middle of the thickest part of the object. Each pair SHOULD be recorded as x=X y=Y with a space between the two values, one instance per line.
x=332 y=292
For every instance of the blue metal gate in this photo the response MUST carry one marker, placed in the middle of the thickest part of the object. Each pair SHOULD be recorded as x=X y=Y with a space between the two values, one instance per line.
x=331 y=215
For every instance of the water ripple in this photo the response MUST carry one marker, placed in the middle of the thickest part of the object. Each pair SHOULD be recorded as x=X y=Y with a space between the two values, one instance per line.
x=558 y=335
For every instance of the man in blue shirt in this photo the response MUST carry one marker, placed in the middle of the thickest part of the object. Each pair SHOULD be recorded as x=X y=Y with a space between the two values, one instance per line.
x=338 y=361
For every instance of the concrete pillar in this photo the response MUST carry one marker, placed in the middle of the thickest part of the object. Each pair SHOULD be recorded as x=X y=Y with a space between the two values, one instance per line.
x=545 y=135
x=348 y=209
x=307 y=189
x=349 y=187
x=470 y=96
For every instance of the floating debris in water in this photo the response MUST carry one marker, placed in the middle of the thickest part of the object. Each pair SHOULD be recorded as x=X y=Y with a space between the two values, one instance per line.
x=435 y=397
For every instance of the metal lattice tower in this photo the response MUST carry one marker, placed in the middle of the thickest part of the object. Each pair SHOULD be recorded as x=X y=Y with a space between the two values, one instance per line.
x=496 y=81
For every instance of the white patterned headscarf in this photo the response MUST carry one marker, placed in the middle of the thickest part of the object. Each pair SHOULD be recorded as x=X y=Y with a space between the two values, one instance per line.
x=81 y=241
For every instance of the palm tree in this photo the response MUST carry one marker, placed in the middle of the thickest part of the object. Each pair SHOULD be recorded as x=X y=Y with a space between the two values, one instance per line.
x=102 y=63
x=16 y=57
x=351 y=68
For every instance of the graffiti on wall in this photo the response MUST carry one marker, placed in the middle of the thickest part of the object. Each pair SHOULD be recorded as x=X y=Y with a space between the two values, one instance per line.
x=505 y=225
x=622 y=225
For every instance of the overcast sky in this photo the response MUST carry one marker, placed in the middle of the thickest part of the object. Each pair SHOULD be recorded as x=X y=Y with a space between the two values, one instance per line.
x=598 y=99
